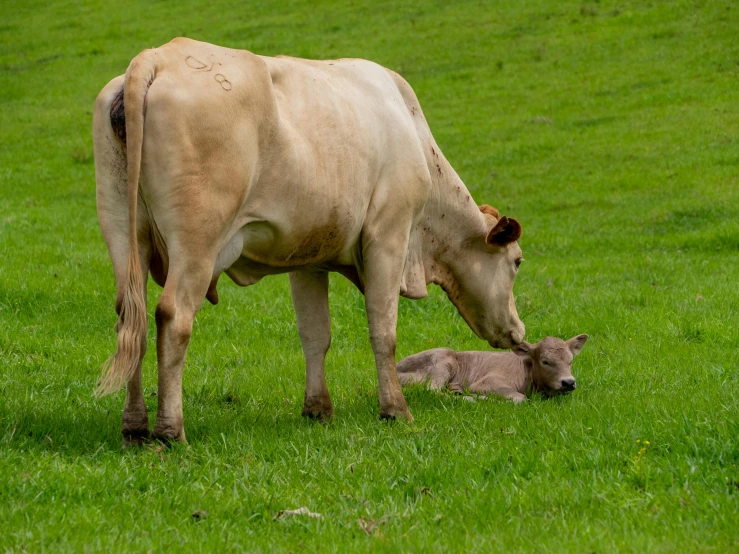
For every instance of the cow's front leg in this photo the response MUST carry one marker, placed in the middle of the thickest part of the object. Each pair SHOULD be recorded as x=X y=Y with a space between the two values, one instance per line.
x=310 y=298
x=383 y=271
x=182 y=297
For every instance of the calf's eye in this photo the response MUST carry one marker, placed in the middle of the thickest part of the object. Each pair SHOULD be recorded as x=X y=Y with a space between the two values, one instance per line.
x=518 y=262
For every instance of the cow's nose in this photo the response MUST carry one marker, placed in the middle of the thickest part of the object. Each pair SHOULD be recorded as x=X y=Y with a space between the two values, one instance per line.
x=568 y=384
x=518 y=334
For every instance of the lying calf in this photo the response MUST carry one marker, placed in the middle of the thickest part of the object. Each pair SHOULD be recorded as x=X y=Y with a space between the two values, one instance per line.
x=545 y=367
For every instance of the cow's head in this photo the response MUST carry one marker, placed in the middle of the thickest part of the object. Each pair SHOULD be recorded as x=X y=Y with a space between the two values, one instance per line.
x=483 y=269
x=551 y=363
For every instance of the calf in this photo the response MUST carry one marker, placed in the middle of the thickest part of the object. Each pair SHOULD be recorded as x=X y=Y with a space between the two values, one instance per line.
x=545 y=367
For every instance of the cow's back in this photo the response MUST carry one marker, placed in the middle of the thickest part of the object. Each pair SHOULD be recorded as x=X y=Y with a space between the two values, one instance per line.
x=345 y=132
x=208 y=110
x=288 y=153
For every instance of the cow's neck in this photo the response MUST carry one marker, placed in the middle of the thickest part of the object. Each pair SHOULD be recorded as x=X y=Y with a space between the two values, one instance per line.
x=450 y=219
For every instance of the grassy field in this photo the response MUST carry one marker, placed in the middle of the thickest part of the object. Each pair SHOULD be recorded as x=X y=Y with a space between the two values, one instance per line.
x=609 y=129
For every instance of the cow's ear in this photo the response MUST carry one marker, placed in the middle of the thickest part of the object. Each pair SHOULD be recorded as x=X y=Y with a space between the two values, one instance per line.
x=489 y=210
x=506 y=231
x=575 y=344
x=523 y=349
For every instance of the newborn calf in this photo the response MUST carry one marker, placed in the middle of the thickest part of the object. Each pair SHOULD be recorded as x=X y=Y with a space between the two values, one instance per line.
x=545 y=367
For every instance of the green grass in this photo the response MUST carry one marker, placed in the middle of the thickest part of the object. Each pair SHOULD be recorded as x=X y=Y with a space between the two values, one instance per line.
x=609 y=129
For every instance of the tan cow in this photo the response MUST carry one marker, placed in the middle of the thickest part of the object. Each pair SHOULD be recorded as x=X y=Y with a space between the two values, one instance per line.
x=224 y=161
x=545 y=367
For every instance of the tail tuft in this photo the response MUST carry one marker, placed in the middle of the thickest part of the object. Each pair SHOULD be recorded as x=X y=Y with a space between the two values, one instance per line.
x=132 y=324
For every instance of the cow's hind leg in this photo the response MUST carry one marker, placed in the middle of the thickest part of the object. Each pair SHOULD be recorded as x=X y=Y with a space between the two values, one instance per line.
x=135 y=420
x=310 y=298
x=135 y=424
x=112 y=206
x=184 y=292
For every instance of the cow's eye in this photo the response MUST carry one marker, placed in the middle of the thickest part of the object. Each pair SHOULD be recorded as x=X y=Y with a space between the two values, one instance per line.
x=518 y=262
x=545 y=362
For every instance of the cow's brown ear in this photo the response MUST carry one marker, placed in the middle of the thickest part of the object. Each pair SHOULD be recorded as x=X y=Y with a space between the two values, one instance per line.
x=506 y=231
x=490 y=211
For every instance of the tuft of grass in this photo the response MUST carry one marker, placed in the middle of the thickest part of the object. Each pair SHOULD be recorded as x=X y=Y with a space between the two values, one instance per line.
x=609 y=129
x=82 y=156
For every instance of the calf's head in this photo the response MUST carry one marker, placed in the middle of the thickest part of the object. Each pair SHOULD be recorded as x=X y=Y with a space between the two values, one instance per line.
x=551 y=363
x=483 y=269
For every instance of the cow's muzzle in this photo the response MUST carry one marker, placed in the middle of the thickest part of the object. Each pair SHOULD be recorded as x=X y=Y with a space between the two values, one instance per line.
x=508 y=340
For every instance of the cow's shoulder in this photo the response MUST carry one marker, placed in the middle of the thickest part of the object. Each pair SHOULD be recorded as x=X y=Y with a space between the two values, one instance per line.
x=405 y=89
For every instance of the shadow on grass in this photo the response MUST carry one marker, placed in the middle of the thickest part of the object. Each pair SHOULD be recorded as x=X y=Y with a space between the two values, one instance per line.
x=74 y=431
x=62 y=431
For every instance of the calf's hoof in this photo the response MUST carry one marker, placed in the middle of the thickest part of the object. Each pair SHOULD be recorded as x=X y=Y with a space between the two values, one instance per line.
x=318 y=408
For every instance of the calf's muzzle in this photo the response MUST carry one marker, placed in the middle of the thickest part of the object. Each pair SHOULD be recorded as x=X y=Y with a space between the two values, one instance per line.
x=568 y=385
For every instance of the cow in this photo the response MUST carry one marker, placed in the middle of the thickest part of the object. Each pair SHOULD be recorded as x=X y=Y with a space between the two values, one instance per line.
x=545 y=367
x=210 y=160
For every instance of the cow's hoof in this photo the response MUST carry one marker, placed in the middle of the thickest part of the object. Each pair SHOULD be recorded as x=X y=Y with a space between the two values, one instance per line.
x=318 y=408
x=135 y=427
x=396 y=413
x=322 y=415
x=135 y=438
x=169 y=435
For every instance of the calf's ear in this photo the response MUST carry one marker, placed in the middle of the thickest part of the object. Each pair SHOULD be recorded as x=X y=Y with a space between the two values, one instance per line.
x=575 y=344
x=506 y=231
x=523 y=349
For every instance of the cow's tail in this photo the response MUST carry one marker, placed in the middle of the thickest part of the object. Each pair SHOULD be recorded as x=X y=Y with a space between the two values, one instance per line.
x=132 y=318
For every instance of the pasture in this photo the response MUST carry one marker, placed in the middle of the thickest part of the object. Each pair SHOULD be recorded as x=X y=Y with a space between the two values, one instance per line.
x=608 y=129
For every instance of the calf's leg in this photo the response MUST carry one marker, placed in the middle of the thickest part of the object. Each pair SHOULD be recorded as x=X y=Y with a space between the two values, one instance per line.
x=433 y=367
x=516 y=396
x=488 y=385
x=310 y=297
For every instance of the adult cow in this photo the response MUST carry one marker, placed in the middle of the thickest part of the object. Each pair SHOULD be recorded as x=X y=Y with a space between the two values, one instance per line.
x=212 y=160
